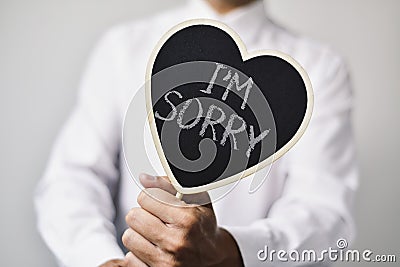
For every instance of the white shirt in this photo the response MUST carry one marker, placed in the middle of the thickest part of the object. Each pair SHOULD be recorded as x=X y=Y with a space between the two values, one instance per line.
x=306 y=202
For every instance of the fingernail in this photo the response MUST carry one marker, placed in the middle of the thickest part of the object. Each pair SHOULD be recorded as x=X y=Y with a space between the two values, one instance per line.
x=147 y=177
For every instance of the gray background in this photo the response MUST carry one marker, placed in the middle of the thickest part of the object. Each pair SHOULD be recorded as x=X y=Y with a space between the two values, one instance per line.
x=44 y=45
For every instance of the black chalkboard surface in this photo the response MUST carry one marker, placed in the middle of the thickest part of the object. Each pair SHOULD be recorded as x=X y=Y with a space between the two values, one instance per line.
x=217 y=112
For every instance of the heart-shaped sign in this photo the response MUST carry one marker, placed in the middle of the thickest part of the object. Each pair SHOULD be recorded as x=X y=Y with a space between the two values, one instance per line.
x=217 y=113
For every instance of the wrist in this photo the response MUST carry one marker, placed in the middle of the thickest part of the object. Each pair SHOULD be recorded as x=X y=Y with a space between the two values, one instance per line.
x=230 y=253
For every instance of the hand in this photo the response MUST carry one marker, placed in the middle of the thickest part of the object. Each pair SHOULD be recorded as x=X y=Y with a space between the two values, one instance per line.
x=163 y=233
x=115 y=263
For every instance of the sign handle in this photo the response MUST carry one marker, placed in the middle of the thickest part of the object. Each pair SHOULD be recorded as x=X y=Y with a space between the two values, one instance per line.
x=179 y=195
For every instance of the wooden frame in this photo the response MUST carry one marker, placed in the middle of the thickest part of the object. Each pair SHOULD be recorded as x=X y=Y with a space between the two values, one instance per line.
x=245 y=56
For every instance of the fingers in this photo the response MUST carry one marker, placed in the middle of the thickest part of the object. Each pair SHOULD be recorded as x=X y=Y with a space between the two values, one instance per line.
x=139 y=246
x=115 y=263
x=198 y=199
x=162 y=182
x=147 y=225
x=133 y=261
x=162 y=205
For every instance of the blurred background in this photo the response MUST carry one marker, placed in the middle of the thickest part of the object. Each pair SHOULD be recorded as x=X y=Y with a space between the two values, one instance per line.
x=44 y=45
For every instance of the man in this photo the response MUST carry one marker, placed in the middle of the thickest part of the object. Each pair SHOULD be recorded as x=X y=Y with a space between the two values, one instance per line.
x=87 y=201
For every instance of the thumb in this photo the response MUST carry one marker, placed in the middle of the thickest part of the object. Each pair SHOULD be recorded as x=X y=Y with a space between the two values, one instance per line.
x=162 y=182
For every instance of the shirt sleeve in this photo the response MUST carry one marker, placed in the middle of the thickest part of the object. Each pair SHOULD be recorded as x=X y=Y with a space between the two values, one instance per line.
x=315 y=208
x=74 y=198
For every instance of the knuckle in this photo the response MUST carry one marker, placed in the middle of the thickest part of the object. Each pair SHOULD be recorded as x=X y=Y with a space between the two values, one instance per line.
x=127 y=237
x=177 y=245
x=169 y=260
x=131 y=216
x=160 y=237
x=189 y=219
x=130 y=258
x=132 y=261
x=174 y=245
x=141 y=198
